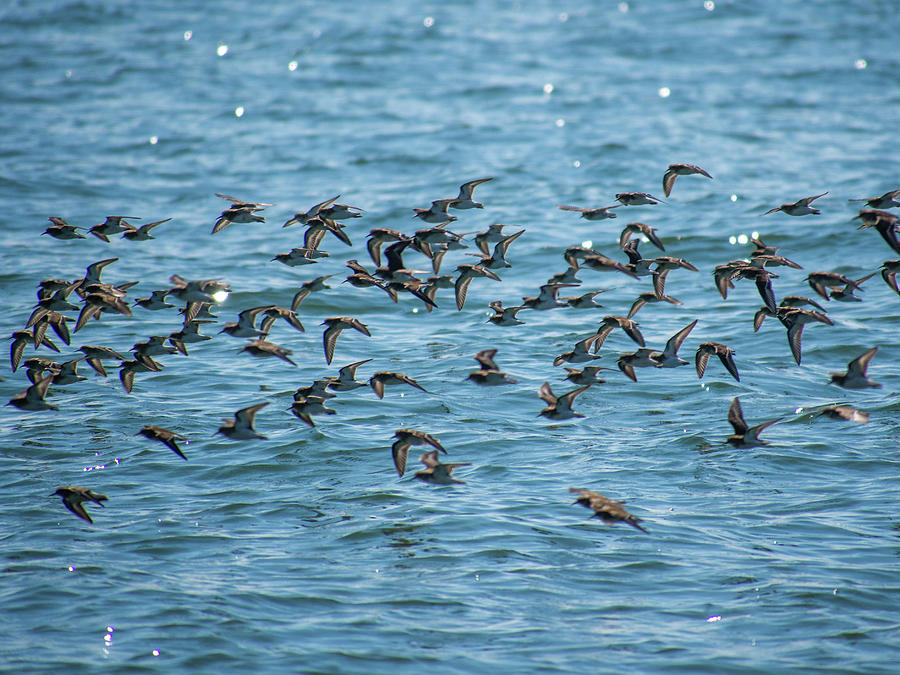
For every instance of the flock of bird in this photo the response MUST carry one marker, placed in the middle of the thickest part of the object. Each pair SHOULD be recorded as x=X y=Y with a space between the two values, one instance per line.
x=55 y=309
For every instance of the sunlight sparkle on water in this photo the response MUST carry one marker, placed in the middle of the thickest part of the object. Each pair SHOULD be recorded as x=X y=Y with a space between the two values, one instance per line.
x=563 y=17
x=428 y=22
x=548 y=88
x=734 y=198
x=188 y=34
x=576 y=163
x=222 y=50
x=623 y=7
x=221 y=296
x=664 y=92
x=239 y=111
x=587 y=243
x=709 y=5
x=154 y=140
x=292 y=66
x=560 y=122
x=860 y=64
x=712 y=619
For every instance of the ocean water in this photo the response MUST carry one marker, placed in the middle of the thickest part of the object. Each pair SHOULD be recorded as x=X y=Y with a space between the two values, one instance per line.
x=305 y=552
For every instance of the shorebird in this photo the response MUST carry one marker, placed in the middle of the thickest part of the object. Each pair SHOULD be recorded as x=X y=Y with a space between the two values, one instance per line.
x=664 y=265
x=601 y=213
x=95 y=355
x=884 y=222
x=263 y=349
x=274 y=313
x=307 y=287
x=559 y=408
x=406 y=438
x=437 y=213
x=650 y=297
x=855 y=377
x=206 y=290
x=246 y=324
x=676 y=170
x=580 y=352
x=239 y=212
x=642 y=229
x=153 y=346
x=141 y=233
x=300 y=256
x=845 y=412
x=156 y=301
x=33 y=397
x=668 y=358
x=189 y=333
x=610 y=323
x=140 y=364
x=74 y=496
x=821 y=282
x=588 y=375
x=169 y=438
x=642 y=358
x=304 y=217
x=888 y=200
x=637 y=198
x=346 y=379
x=335 y=325
x=794 y=318
x=378 y=237
x=112 y=225
x=21 y=338
x=60 y=229
x=241 y=427
x=584 y=301
x=464 y=199
x=493 y=234
x=489 y=373
x=600 y=263
x=437 y=473
x=68 y=373
x=801 y=207
x=506 y=316
x=845 y=294
x=546 y=299
x=725 y=354
x=744 y=436
x=608 y=510
x=498 y=258
x=466 y=274
x=307 y=406
x=379 y=380
x=889 y=270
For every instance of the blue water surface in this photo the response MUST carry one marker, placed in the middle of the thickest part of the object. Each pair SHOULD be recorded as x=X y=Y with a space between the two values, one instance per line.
x=305 y=551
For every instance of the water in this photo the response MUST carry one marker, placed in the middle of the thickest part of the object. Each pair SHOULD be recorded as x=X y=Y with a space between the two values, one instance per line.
x=305 y=552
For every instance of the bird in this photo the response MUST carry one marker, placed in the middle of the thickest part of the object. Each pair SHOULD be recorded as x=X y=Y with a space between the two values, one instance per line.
x=406 y=438
x=845 y=294
x=189 y=333
x=74 y=496
x=608 y=510
x=307 y=287
x=498 y=258
x=794 y=318
x=379 y=236
x=889 y=270
x=379 y=380
x=165 y=436
x=464 y=199
x=335 y=325
x=884 y=222
x=650 y=297
x=601 y=213
x=801 y=207
x=437 y=213
x=140 y=364
x=642 y=229
x=489 y=373
x=855 y=377
x=33 y=397
x=637 y=198
x=466 y=274
x=676 y=170
x=546 y=299
x=346 y=379
x=437 y=473
x=559 y=408
x=112 y=225
x=588 y=375
x=305 y=216
x=642 y=358
x=744 y=436
x=844 y=412
x=668 y=358
x=156 y=301
x=820 y=282
x=273 y=313
x=96 y=354
x=725 y=354
x=60 y=229
x=245 y=325
x=506 y=316
x=580 y=352
x=141 y=233
x=263 y=349
x=888 y=200
x=307 y=406
x=584 y=301
x=241 y=427
x=493 y=234
x=610 y=323
x=21 y=338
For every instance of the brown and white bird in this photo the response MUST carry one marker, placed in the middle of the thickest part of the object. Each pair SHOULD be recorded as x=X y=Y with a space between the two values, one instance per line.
x=406 y=438
x=855 y=377
x=241 y=427
x=801 y=207
x=335 y=325
x=464 y=199
x=437 y=473
x=559 y=408
x=725 y=354
x=745 y=436
x=608 y=510
x=169 y=438
x=676 y=170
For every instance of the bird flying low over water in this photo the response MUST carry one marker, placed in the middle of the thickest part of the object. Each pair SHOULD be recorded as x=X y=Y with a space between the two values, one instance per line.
x=855 y=377
x=73 y=498
x=676 y=170
x=608 y=510
x=406 y=438
x=559 y=408
x=437 y=473
x=745 y=436
x=165 y=436
x=241 y=427
x=801 y=207
x=725 y=354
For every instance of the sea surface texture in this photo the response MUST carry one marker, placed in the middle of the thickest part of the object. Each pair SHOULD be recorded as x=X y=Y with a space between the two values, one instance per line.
x=306 y=552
